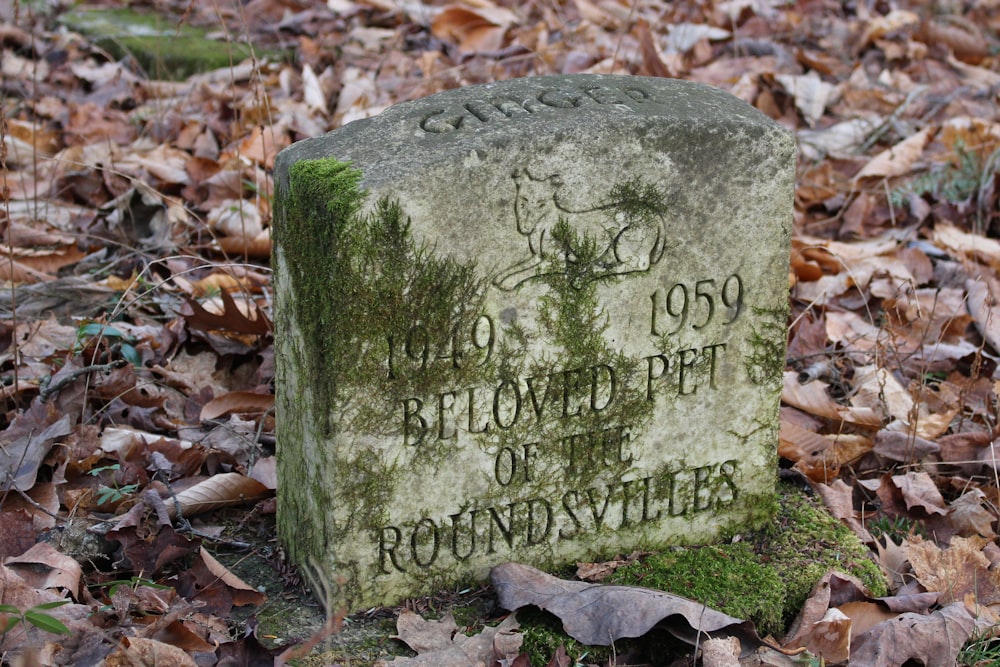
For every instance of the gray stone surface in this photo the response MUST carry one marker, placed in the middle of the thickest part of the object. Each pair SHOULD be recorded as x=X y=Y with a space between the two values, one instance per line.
x=553 y=331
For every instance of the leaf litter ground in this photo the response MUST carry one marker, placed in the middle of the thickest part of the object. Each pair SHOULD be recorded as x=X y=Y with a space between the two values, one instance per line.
x=137 y=363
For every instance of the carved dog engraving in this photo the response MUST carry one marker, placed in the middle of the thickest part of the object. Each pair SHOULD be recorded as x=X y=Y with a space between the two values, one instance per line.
x=623 y=233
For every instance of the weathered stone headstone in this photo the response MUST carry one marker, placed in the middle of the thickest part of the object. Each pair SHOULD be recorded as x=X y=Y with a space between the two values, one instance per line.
x=539 y=320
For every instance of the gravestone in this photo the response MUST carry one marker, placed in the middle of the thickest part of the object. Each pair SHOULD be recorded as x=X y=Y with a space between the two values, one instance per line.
x=539 y=320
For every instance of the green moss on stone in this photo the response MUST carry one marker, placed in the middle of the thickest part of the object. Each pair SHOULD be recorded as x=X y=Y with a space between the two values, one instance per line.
x=373 y=302
x=766 y=361
x=325 y=197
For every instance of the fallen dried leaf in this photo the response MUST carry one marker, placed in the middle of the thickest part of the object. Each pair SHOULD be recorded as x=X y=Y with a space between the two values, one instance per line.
x=600 y=614
x=441 y=644
x=865 y=615
x=473 y=30
x=897 y=160
x=236 y=401
x=813 y=398
x=919 y=490
x=221 y=490
x=811 y=94
x=833 y=589
x=961 y=568
x=830 y=636
x=934 y=639
x=971 y=514
x=141 y=652
x=232 y=318
x=43 y=567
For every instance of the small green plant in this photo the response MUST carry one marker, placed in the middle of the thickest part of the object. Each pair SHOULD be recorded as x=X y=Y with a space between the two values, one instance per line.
x=809 y=660
x=982 y=650
x=954 y=182
x=896 y=529
x=35 y=616
x=132 y=582
x=85 y=333
x=112 y=494
x=964 y=179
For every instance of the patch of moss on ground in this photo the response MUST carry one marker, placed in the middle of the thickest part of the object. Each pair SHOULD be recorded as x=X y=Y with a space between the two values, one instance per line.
x=805 y=541
x=164 y=46
x=765 y=577
x=728 y=577
x=543 y=636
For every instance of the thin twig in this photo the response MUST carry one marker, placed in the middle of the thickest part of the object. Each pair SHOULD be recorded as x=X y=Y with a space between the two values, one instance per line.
x=46 y=388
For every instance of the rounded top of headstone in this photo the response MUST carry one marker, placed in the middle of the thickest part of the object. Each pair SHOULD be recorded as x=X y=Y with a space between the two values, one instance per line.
x=534 y=109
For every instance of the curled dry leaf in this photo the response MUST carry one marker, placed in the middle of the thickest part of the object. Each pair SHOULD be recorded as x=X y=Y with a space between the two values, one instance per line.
x=830 y=636
x=984 y=308
x=683 y=36
x=603 y=14
x=235 y=217
x=265 y=471
x=934 y=639
x=312 y=90
x=600 y=614
x=878 y=26
x=43 y=567
x=974 y=246
x=221 y=490
x=242 y=593
x=879 y=390
x=840 y=140
x=834 y=588
x=27 y=441
x=257 y=247
x=897 y=160
x=442 y=644
x=237 y=402
x=965 y=39
x=653 y=61
x=903 y=447
x=866 y=615
x=13 y=271
x=813 y=398
x=919 y=490
x=721 y=652
x=808 y=450
x=18 y=593
x=184 y=634
x=838 y=499
x=140 y=651
x=473 y=30
x=811 y=94
x=970 y=515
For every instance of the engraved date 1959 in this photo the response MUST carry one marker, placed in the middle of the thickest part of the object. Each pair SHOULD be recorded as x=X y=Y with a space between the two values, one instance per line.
x=696 y=305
